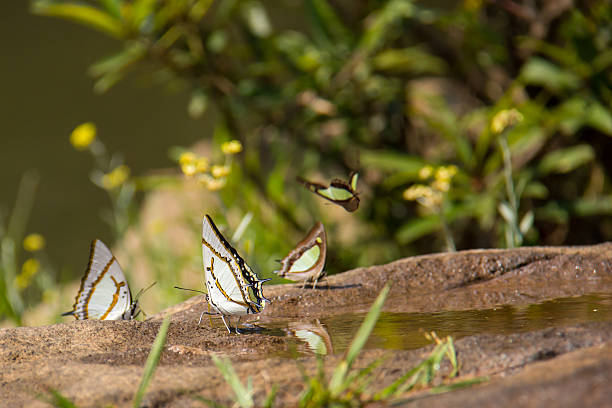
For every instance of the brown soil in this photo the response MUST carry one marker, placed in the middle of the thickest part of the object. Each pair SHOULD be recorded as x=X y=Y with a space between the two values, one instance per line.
x=97 y=363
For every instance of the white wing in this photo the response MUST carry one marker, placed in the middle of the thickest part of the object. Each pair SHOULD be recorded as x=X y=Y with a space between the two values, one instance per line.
x=227 y=290
x=104 y=292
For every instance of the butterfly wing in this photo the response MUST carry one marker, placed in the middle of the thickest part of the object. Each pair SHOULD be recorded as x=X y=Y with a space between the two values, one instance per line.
x=339 y=192
x=104 y=293
x=306 y=261
x=227 y=288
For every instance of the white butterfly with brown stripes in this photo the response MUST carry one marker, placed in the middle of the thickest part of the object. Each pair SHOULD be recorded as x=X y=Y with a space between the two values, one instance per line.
x=233 y=288
x=104 y=293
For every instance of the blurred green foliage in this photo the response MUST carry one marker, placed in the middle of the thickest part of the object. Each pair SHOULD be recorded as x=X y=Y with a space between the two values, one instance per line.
x=318 y=88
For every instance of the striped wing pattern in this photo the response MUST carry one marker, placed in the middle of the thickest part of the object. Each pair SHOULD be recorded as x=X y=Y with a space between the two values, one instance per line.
x=104 y=293
x=307 y=260
x=228 y=277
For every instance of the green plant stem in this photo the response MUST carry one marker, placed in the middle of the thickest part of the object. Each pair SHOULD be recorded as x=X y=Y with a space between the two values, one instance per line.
x=448 y=237
x=510 y=192
x=152 y=361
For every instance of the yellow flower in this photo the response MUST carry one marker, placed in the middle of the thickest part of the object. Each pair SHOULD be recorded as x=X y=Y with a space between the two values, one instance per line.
x=29 y=268
x=231 y=147
x=83 y=136
x=445 y=173
x=220 y=171
x=116 y=177
x=186 y=158
x=424 y=195
x=425 y=172
x=188 y=164
x=442 y=185
x=34 y=242
x=212 y=184
x=505 y=119
x=201 y=165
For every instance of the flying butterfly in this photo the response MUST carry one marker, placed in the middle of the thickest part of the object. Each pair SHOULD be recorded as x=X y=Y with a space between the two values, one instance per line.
x=338 y=192
x=104 y=293
x=306 y=261
x=234 y=289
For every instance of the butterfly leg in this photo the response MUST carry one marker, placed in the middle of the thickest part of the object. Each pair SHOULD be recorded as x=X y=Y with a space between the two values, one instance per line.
x=238 y=322
x=224 y=322
x=200 y=321
x=314 y=284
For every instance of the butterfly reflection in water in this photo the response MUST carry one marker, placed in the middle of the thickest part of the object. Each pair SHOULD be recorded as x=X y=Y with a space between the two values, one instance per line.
x=104 y=293
x=338 y=192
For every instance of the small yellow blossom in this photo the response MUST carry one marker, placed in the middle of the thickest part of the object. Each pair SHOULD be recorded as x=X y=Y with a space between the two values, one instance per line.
x=187 y=157
x=445 y=173
x=231 y=147
x=425 y=172
x=220 y=171
x=212 y=184
x=505 y=119
x=442 y=185
x=29 y=268
x=116 y=177
x=188 y=163
x=83 y=136
x=201 y=165
x=34 y=242
x=424 y=195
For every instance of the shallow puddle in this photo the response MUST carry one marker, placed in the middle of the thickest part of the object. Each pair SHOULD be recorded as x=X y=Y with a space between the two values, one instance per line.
x=405 y=330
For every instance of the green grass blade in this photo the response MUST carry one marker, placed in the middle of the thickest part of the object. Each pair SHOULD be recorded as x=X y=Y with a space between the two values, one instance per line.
x=209 y=402
x=243 y=396
x=359 y=341
x=57 y=399
x=440 y=389
x=269 y=402
x=152 y=361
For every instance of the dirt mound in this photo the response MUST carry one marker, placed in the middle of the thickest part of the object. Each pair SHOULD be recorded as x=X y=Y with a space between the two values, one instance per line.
x=100 y=363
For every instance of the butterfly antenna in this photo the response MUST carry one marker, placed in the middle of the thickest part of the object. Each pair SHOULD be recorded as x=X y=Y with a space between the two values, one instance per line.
x=70 y=313
x=192 y=290
x=143 y=291
x=264 y=280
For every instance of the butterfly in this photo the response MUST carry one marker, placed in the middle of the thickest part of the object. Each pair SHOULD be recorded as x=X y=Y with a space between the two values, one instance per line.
x=104 y=293
x=339 y=191
x=230 y=282
x=306 y=261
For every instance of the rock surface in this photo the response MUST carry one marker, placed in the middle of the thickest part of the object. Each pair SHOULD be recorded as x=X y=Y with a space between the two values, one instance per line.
x=99 y=363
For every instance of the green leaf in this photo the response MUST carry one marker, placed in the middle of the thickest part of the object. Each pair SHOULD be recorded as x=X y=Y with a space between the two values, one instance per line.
x=112 y=7
x=152 y=361
x=413 y=60
x=340 y=372
x=83 y=14
x=417 y=228
x=383 y=20
x=256 y=18
x=141 y=10
x=527 y=222
x=599 y=117
x=392 y=161
x=538 y=71
x=118 y=62
x=566 y=160
x=327 y=26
